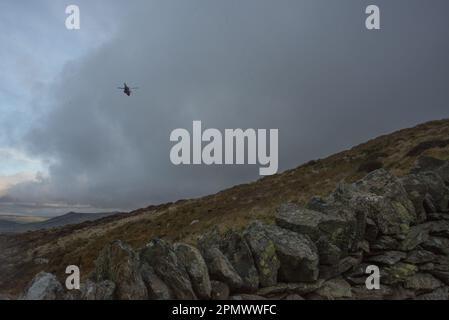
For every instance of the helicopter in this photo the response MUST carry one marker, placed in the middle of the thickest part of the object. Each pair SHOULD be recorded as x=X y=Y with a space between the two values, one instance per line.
x=127 y=90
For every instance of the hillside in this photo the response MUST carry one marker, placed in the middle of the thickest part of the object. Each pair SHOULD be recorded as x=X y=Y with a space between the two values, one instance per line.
x=21 y=255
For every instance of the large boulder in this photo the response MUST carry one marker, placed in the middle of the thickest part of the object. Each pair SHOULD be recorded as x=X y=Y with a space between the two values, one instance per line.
x=157 y=289
x=264 y=254
x=44 y=286
x=193 y=262
x=220 y=268
x=297 y=253
x=386 y=202
x=315 y=224
x=236 y=249
x=118 y=263
x=161 y=255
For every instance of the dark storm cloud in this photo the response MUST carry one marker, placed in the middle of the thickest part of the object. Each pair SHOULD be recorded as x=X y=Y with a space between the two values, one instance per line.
x=309 y=68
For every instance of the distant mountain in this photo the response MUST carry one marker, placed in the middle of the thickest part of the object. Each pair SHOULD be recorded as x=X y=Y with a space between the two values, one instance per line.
x=8 y=226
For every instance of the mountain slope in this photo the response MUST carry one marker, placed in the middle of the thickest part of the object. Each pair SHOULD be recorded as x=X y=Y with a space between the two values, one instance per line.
x=232 y=208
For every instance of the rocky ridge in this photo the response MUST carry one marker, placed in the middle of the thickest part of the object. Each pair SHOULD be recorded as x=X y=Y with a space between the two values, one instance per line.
x=317 y=251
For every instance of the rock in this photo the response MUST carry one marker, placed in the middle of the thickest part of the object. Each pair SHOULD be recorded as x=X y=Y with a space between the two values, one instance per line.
x=437 y=245
x=329 y=254
x=290 y=288
x=160 y=255
x=441 y=275
x=398 y=273
x=313 y=223
x=371 y=230
x=420 y=256
x=220 y=290
x=348 y=228
x=426 y=267
x=190 y=258
x=438 y=294
x=157 y=289
x=422 y=282
x=438 y=216
x=400 y=293
x=44 y=286
x=297 y=254
x=429 y=204
x=98 y=291
x=416 y=191
x=385 y=243
x=118 y=263
x=237 y=251
x=264 y=254
x=427 y=163
x=221 y=269
x=386 y=202
x=335 y=289
x=387 y=258
x=438 y=228
x=437 y=189
x=344 y=265
x=416 y=236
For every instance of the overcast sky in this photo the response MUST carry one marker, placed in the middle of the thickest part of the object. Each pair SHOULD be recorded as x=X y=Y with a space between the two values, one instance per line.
x=70 y=140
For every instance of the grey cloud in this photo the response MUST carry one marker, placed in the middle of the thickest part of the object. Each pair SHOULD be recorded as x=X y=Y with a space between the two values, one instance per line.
x=308 y=68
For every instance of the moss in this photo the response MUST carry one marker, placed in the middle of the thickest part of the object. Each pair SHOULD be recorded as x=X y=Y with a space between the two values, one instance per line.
x=400 y=272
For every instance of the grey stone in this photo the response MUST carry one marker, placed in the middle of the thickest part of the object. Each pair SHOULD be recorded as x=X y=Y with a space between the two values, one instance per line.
x=44 y=286
x=118 y=263
x=160 y=255
x=191 y=259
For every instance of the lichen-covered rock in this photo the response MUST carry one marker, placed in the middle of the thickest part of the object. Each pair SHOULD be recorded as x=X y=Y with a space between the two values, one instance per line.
x=414 y=237
x=160 y=255
x=44 y=286
x=118 y=263
x=264 y=254
x=192 y=260
x=236 y=249
x=297 y=253
x=386 y=202
x=312 y=223
x=157 y=289
x=220 y=268
x=398 y=273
